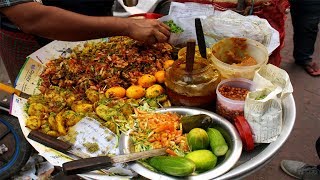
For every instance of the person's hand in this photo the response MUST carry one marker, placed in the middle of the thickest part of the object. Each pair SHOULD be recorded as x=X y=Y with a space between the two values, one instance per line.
x=149 y=31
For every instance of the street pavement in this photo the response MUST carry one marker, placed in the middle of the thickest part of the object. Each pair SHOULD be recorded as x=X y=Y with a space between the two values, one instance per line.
x=300 y=145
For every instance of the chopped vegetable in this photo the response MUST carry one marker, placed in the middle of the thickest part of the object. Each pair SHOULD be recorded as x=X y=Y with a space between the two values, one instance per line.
x=174 y=28
x=158 y=130
x=91 y=147
x=170 y=152
x=261 y=97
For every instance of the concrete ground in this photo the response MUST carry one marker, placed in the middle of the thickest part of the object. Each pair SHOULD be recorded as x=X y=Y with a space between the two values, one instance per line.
x=300 y=145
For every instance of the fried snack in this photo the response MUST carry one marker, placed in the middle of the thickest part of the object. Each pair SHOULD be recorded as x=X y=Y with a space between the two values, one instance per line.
x=92 y=82
x=103 y=112
x=33 y=122
x=102 y=65
x=82 y=107
x=71 y=118
x=61 y=124
x=118 y=92
x=154 y=91
x=37 y=109
x=92 y=95
x=147 y=80
x=135 y=92
x=160 y=76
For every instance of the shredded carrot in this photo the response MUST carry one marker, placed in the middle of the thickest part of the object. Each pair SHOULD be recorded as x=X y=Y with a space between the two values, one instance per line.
x=170 y=152
x=158 y=130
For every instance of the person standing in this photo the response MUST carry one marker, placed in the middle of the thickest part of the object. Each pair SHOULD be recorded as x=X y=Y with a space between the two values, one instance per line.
x=305 y=20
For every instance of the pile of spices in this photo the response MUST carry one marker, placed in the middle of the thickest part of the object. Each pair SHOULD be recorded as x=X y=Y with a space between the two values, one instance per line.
x=234 y=93
x=227 y=113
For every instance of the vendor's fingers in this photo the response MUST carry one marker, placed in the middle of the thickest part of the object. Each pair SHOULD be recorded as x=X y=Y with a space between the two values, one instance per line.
x=151 y=40
x=165 y=26
x=164 y=31
x=160 y=37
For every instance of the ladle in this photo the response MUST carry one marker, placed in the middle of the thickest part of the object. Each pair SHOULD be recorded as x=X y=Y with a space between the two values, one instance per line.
x=189 y=60
x=200 y=38
x=190 y=56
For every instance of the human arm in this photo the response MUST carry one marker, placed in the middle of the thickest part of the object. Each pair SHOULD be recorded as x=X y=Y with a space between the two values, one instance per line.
x=55 y=23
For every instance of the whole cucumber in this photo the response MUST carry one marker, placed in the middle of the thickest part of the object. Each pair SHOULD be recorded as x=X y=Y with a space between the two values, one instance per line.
x=204 y=159
x=202 y=121
x=198 y=139
x=173 y=165
x=217 y=142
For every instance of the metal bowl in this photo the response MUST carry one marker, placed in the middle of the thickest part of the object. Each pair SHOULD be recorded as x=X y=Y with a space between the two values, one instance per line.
x=225 y=127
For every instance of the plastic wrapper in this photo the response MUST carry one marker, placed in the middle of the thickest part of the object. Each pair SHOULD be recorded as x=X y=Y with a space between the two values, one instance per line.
x=231 y=24
x=218 y=25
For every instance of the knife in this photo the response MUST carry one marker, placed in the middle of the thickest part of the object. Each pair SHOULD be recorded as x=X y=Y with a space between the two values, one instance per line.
x=12 y=90
x=95 y=163
x=58 y=145
x=88 y=163
x=200 y=38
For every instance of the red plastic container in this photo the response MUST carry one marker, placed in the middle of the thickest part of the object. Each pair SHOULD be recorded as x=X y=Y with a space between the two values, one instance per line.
x=148 y=15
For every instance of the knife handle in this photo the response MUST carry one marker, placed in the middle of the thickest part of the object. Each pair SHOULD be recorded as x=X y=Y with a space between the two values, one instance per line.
x=86 y=165
x=49 y=141
x=9 y=89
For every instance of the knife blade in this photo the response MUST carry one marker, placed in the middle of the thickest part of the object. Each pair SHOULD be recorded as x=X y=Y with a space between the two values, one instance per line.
x=95 y=163
x=87 y=163
x=58 y=145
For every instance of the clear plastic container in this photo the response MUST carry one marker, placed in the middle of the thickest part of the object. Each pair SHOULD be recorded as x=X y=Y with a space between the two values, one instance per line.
x=227 y=107
x=226 y=46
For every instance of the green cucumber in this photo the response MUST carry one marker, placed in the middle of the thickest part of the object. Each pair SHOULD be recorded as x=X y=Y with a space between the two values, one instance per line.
x=173 y=165
x=198 y=139
x=202 y=121
x=217 y=142
x=204 y=159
